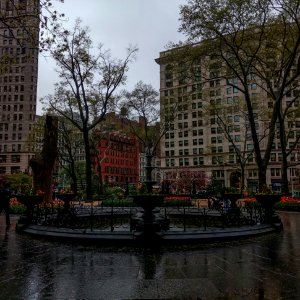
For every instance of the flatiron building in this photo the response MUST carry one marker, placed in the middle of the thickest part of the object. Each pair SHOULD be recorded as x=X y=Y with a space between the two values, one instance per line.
x=19 y=39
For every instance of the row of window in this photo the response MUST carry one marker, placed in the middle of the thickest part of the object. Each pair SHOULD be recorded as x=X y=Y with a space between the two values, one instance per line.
x=119 y=170
x=13 y=170
x=12 y=79
x=215 y=160
x=13 y=158
x=15 y=107
x=16 y=117
x=15 y=88
x=13 y=148
x=14 y=136
x=15 y=98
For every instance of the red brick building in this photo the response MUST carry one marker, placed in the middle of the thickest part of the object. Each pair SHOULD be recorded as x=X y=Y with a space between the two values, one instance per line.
x=118 y=155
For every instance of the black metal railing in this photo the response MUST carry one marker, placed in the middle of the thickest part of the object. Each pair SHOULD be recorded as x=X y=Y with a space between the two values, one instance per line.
x=119 y=218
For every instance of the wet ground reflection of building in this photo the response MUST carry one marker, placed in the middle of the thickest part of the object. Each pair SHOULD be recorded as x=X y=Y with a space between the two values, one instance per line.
x=266 y=267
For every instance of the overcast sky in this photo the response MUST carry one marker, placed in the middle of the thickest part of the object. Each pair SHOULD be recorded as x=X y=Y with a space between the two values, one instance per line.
x=149 y=24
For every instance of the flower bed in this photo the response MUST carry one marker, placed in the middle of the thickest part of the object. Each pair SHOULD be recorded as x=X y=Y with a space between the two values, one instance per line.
x=16 y=207
x=288 y=203
x=177 y=201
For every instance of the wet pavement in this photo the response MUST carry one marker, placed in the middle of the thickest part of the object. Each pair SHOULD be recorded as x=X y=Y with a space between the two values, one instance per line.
x=265 y=267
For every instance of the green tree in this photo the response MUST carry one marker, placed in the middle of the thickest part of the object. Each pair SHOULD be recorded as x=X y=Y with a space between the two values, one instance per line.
x=142 y=103
x=256 y=42
x=20 y=183
x=88 y=82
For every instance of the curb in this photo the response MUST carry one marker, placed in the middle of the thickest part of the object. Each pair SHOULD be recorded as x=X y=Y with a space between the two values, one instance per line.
x=125 y=237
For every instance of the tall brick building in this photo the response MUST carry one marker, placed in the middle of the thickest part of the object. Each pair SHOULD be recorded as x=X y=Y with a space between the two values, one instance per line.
x=19 y=39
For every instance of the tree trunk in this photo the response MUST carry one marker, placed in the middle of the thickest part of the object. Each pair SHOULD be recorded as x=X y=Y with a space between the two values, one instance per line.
x=149 y=169
x=242 y=187
x=284 y=163
x=43 y=164
x=284 y=175
x=88 y=170
x=262 y=177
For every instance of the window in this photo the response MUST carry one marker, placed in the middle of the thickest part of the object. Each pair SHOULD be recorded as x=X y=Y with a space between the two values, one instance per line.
x=195 y=161
x=214 y=160
x=275 y=172
x=218 y=173
x=252 y=173
x=273 y=157
x=180 y=162
x=15 y=170
x=15 y=158
x=186 y=161
x=237 y=128
x=253 y=86
x=249 y=147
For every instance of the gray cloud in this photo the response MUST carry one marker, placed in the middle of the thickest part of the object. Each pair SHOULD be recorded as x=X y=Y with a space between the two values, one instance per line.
x=149 y=24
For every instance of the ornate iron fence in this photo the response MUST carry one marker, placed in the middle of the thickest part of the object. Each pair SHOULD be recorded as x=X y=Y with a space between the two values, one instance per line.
x=119 y=218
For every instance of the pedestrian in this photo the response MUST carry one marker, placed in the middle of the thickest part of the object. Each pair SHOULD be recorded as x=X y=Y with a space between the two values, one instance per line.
x=225 y=199
x=5 y=195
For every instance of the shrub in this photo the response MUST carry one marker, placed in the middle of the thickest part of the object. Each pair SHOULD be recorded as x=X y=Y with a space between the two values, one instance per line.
x=117 y=202
x=291 y=206
x=177 y=203
x=17 y=209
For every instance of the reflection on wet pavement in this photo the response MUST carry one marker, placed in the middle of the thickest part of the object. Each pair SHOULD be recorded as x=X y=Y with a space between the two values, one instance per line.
x=266 y=267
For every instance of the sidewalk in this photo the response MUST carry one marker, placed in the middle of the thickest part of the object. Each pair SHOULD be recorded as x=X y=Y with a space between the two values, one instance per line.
x=265 y=267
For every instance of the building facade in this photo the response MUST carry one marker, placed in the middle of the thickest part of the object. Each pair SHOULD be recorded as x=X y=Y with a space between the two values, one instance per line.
x=196 y=139
x=18 y=82
x=118 y=156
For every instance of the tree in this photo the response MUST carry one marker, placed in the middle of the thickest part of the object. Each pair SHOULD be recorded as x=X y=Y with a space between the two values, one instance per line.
x=143 y=103
x=256 y=42
x=19 y=183
x=231 y=121
x=69 y=147
x=24 y=14
x=88 y=82
x=186 y=180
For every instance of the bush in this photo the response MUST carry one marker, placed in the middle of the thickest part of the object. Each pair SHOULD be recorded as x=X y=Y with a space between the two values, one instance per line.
x=17 y=209
x=290 y=206
x=117 y=202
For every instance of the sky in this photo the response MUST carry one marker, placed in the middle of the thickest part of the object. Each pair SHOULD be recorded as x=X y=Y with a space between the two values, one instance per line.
x=148 y=24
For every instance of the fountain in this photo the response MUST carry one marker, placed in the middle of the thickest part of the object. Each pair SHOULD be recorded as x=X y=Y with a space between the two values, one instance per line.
x=149 y=223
